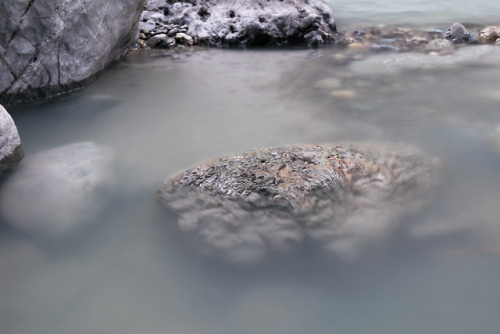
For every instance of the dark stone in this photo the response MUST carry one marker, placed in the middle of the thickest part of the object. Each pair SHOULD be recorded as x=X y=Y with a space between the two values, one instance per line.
x=161 y=41
x=11 y=151
x=252 y=22
x=241 y=206
x=457 y=33
x=51 y=47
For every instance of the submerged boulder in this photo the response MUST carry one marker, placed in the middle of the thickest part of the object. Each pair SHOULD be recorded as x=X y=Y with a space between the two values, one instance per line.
x=242 y=206
x=54 y=192
x=250 y=22
x=52 y=47
x=11 y=151
x=440 y=45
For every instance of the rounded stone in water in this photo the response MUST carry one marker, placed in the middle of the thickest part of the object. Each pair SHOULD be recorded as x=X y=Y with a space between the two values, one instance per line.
x=440 y=44
x=241 y=206
x=489 y=35
x=54 y=192
x=457 y=33
x=11 y=151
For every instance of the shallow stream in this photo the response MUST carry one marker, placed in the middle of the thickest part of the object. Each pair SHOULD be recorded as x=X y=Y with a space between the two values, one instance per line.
x=161 y=112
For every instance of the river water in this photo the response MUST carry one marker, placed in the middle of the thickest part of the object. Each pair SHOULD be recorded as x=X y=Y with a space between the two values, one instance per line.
x=131 y=271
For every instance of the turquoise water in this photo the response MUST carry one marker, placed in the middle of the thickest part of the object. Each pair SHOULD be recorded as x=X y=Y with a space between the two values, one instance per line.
x=132 y=271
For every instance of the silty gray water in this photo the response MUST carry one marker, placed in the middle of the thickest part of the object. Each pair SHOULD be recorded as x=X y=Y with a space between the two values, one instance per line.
x=130 y=271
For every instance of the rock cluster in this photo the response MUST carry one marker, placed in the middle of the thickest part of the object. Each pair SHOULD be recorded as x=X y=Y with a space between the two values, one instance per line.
x=438 y=41
x=11 y=151
x=56 y=191
x=228 y=23
x=51 y=47
x=395 y=39
x=242 y=206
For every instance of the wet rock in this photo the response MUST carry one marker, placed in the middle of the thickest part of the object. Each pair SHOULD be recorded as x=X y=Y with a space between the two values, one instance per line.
x=11 y=151
x=145 y=16
x=147 y=27
x=54 y=192
x=161 y=41
x=457 y=33
x=251 y=22
x=51 y=47
x=341 y=197
x=489 y=35
x=440 y=45
x=184 y=39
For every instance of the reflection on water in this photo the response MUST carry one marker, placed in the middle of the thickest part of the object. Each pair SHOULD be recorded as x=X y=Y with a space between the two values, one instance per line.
x=132 y=272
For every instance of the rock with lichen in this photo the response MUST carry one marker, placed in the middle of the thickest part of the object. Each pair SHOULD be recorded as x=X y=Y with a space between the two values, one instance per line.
x=272 y=199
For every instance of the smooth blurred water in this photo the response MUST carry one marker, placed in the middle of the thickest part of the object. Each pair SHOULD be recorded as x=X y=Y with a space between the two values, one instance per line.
x=131 y=270
x=358 y=13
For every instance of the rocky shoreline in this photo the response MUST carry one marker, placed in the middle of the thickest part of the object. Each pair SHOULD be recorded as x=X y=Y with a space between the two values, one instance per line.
x=164 y=26
x=157 y=33
x=241 y=23
x=71 y=46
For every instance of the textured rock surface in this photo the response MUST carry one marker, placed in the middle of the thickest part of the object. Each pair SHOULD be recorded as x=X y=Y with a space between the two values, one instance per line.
x=441 y=45
x=51 y=47
x=250 y=22
x=457 y=33
x=53 y=192
x=11 y=151
x=340 y=196
x=489 y=35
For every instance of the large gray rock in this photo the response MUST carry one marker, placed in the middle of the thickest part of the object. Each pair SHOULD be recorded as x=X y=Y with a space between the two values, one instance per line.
x=51 y=47
x=54 y=192
x=341 y=197
x=252 y=22
x=11 y=151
